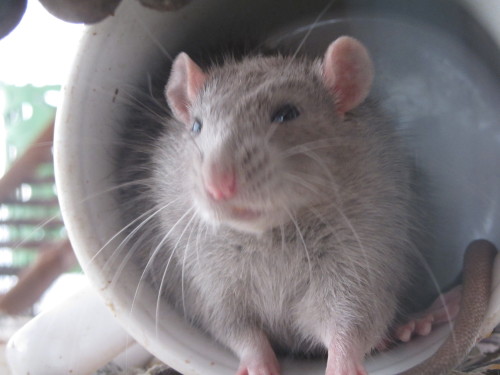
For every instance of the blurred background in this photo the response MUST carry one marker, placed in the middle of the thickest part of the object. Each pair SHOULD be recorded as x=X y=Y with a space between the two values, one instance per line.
x=35 y=59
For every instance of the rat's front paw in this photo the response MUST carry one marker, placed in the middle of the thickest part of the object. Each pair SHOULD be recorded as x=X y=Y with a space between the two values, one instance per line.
x=257 y=356
x=267 y=364
x=349 y=367
x=345 y=360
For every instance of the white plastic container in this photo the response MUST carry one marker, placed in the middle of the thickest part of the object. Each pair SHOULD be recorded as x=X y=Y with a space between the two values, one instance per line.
x=436 y=75
x=77 y=336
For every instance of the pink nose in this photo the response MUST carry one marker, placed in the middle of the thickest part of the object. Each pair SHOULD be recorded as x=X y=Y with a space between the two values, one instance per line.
x=221 y=184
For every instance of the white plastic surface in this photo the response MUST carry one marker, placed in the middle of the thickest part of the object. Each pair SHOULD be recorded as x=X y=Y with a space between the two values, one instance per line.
x=455 y=130
x=78 y=336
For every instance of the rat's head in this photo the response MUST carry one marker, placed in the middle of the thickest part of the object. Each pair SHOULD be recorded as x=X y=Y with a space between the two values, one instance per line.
x=258 y=128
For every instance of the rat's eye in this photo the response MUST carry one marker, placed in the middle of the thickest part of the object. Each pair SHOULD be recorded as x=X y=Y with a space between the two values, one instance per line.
x=286 y=113
x=197 y=125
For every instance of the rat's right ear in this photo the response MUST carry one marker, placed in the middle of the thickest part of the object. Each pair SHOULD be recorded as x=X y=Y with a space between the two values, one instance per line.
x=183 y=86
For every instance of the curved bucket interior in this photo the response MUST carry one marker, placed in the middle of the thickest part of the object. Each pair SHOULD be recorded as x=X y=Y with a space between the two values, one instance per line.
x=437 y=73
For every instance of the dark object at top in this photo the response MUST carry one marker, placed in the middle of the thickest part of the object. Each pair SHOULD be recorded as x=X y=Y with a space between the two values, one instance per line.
x=81 y=11
x=11 y=12
x=75 y=11
x=164 y=5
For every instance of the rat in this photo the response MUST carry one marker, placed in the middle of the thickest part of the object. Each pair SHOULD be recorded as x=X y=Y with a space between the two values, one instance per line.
x=276 y=207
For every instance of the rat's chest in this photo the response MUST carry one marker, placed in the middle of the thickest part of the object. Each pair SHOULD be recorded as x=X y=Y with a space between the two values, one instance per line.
x=262 y=274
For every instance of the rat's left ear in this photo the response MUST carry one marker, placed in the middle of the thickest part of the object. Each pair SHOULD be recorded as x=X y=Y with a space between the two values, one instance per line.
x=347 y=73
x=183 y=86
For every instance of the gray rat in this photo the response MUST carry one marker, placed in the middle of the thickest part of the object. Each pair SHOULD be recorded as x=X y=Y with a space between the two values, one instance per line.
x=277 y=208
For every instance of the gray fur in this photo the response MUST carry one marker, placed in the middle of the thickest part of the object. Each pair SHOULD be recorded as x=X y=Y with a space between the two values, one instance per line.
x=336 y=271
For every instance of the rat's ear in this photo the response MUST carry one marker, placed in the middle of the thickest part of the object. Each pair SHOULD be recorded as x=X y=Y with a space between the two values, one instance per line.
x=185 y=82
x=347 y=72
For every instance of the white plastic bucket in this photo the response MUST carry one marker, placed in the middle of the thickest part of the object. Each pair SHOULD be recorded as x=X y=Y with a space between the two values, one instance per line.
x=456 y=137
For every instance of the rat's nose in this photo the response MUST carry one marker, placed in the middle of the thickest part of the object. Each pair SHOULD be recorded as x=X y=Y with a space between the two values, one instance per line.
x=220 y=182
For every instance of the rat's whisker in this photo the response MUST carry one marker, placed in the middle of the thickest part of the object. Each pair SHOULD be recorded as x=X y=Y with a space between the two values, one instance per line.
x=186 y=248
x=310 y=29
x=313 y=145
x=153 y=255
x=302 y=240
x=149 y=214
x=137 y=245
x=174 y=249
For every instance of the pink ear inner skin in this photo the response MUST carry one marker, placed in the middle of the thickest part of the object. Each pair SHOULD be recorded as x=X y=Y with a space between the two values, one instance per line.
x=184 y=85
x=348 y=73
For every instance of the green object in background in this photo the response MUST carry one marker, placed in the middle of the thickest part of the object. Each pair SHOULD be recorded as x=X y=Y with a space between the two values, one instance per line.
x=26 y=112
